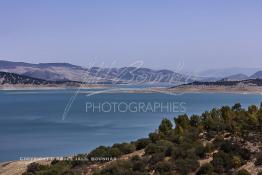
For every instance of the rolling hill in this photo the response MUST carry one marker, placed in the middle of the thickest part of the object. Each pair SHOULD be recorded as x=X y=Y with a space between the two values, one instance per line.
x=65 y=71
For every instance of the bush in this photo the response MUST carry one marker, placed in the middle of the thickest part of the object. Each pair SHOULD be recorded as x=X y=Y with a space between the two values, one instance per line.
x=159 y=147
x=115 y=151
x=59 y=168
x=243 y=172
x=244 y=153
x=221 y=162
x=200 y=151
x=259 y=173
x=163 y=167
x=142 y=143
x=101 y=151
x=237 y=161
x=185 y=166
x=206 y=169
x=34 y=167
x=209 y=147
x=117 y=168
x=165 y=126
x=154 y=137
x=55 y=161
x=125 y=148
x=182 y=121
x=155 y=158
x=138 y=164
x=259 y=160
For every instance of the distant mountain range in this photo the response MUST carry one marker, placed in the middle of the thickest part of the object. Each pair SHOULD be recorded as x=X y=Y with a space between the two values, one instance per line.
x=257 y=75
x=69 y=72
x=222 y=73
x=236 y=77
x=64 y=72
x=239 y=77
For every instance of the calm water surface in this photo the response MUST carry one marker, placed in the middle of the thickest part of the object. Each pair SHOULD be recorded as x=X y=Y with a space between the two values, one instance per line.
x=31 y=121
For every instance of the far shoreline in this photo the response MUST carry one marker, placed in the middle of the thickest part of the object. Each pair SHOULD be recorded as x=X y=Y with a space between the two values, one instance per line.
x=184 y=89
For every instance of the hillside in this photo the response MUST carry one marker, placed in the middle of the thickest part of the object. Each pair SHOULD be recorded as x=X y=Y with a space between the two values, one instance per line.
x=9 y=80
x=220 y=141
x=69 y=72
x=225 y=72
x=255 y=82
x=235 y=77
x=257 y=75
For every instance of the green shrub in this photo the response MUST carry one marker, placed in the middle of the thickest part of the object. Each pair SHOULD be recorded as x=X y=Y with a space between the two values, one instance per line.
x=222 y=162
x=142 y=143
x=34 y=167
x=243 y=172
x=165 y=126
x=163 y=167
x=100 y=151
x=200 y=151
x=159 y=147
x=206 y=169
x=259 y=159
x=125 y=148
x=155 y=158
x=154 y=137
x=138 y=164
x=259 y=173
x=236 y=161
x=185 y=166
x=117 y=168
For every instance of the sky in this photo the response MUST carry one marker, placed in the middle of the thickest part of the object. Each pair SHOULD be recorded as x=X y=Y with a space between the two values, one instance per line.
x=195 y=35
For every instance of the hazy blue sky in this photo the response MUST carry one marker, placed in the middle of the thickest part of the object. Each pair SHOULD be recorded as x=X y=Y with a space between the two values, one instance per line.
x=200 y=33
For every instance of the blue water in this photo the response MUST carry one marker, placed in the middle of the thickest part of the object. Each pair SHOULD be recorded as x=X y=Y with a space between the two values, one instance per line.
x=31 y=121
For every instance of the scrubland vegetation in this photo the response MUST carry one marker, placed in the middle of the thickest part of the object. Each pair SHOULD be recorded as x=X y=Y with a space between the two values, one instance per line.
x=220 y=141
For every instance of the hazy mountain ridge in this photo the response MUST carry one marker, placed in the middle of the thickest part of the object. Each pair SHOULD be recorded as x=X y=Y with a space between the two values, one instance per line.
x=46 y=71
x=235 y=77
x=65 y=71
x=222 y=73
x=257 y=75
x=93 y=75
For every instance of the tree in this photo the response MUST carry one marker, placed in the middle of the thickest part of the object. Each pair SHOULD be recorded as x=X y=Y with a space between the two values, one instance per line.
x=195 y=120
x=259 y=159
x=185 y=166
x=221 y=162
x=243 y=172
x=182 y=121
x=206 y=169
x=163 y=167
x=259 y=118
x=226 y=113
x=236 y=107
x=165 y=126
x=252 y=109
x=142 y=143
x=125 y=148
